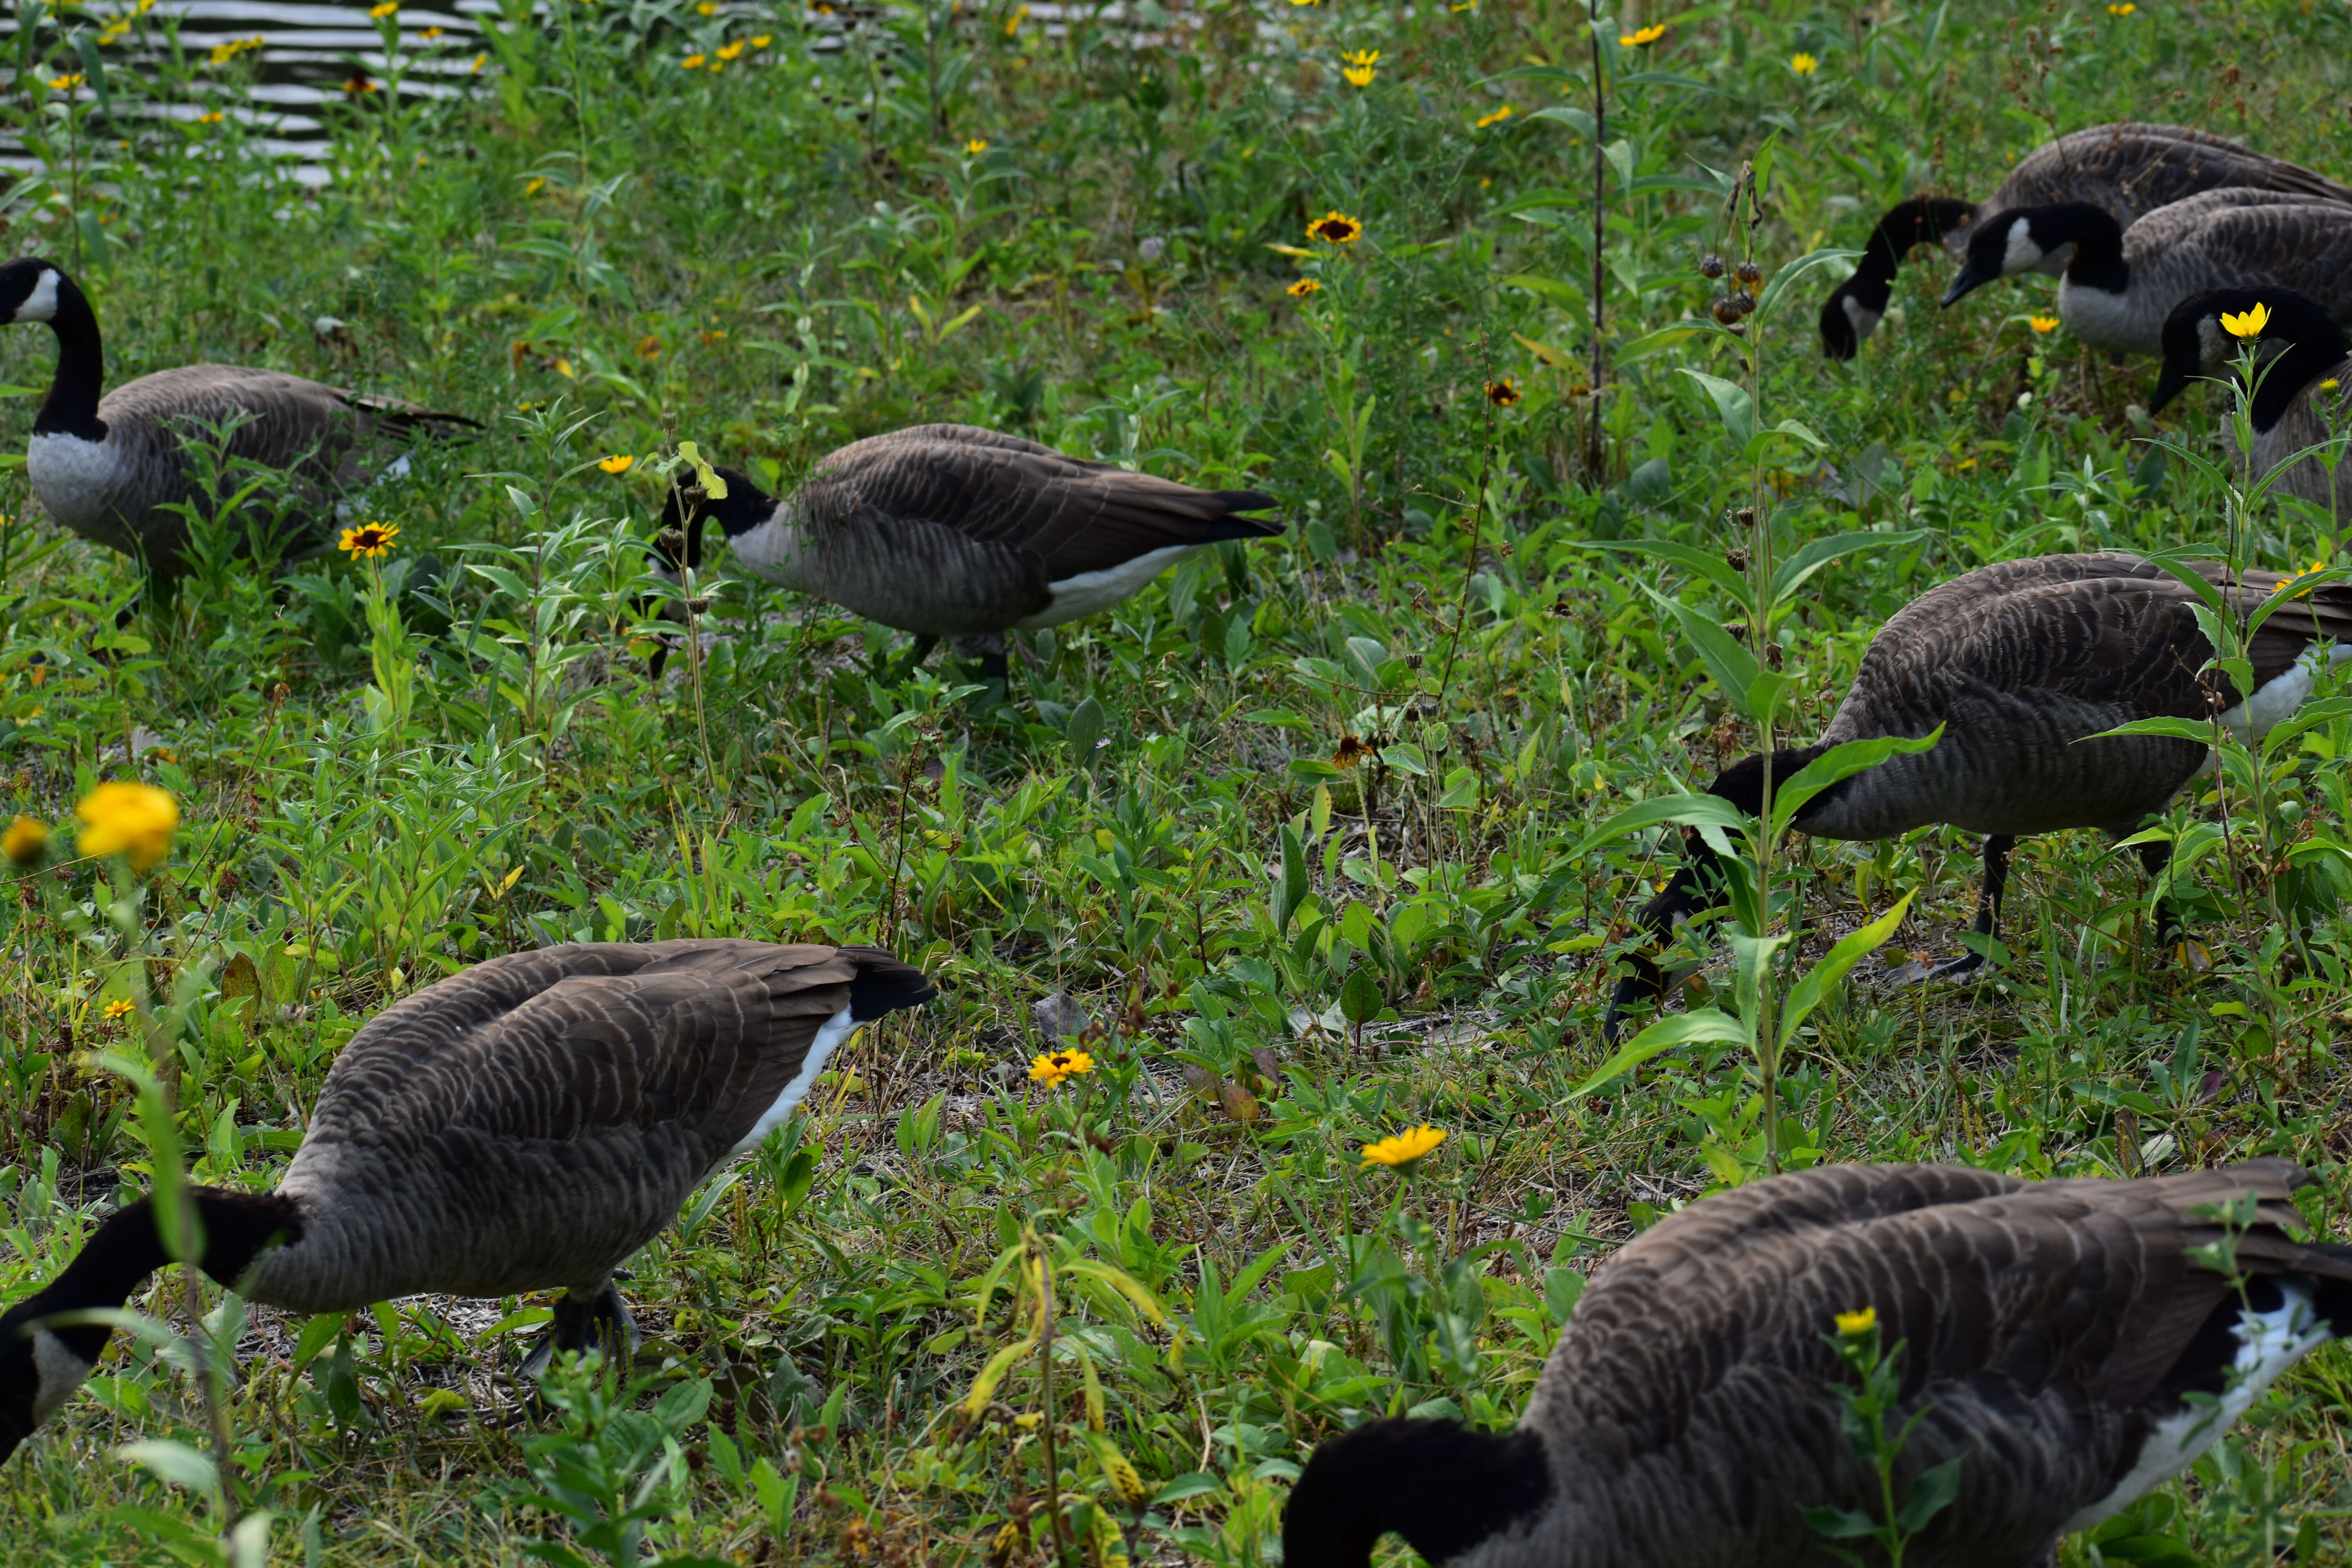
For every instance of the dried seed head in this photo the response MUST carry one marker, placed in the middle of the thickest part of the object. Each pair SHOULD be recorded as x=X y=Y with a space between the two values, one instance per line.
x=1749 y=273
x=1710 y=265
x=1736 y=559
x=1725 y=311
x=1743 y=302
x=1745 y=517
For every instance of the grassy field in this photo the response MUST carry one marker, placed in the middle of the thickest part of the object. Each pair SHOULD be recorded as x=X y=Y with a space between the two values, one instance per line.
x=638 y=223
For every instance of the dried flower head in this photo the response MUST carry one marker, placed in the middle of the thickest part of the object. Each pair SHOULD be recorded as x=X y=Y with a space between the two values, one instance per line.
x=370 y=540
x=1710 y=266
x=1404 y=1149
x=125 y=818
x=1351 y=751
x=1335 y=227
x=1749 y=272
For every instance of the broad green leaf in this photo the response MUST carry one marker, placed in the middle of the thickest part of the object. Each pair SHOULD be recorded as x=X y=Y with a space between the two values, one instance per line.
x=1820 y=980
x=1931 y=1494
x=1290 y=885
x=2325 y=711
x=1726 y=657
x=1751 y=960
x=1691 y=809
x=1840 y=762
x=2200 y=732
x=1732 y=404
x=175 y=1462
x=1577 y=120
x=1786 y=278
x=1792 y=572
x=983 y=1387
x=1707 y=563
x=1664 y=1034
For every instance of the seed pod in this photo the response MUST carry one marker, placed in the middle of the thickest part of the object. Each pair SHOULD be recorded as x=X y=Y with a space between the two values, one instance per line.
x=1745 y=517
x=1749 y=273
x=1724 y=309
x=1736 y=559
x=1742 y=303
x=1710 y=265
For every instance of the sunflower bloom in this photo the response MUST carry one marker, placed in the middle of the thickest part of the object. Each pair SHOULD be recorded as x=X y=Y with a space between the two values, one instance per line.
x=618 y=463
x=1643 y=37
x=2043 y=324
x=1362 y=66
x=2288 y=588
x=1303 y=287
x=370 y=540
x=1496 y=117
x=2125 y=9
x=1503 y=394
x=695 y=62
x=66 y=83
x=121 y=1007
x=1055 y=1066
x=2246 y=323
x=378 y=12
x=1404 y=1149
x=976 y=146
x=120 y=818
x=1803 y=64
x=1335 y=227
x=728 y=51
x=25 y=840
x=1853 y=1325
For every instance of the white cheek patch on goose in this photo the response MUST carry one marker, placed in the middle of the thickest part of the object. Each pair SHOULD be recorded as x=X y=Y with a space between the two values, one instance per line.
x=59 y=1373
x=1091 y=591
x=41 y=304
x=2276 y=699
x=1860 y=316
x=2021 y=253
x=830 y=1035
x=2268 y=1343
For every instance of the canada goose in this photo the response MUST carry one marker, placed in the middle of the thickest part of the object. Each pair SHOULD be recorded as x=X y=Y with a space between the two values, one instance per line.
x=955 y=532
x=2122 y=283
x=2295 y=407
x=2058 y=1341
x=111 y=469
x=2127 y=168
x=2019 y=662
x=525 y=1124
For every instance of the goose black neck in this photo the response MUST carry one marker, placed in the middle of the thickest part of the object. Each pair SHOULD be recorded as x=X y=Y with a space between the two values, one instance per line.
x=1922 y=220
x=744 y=507
x=1742 y=783
x=2098 y=241
x=2317 y=348
x=71 y=407
x=1440 y=1484
x=128 y=1247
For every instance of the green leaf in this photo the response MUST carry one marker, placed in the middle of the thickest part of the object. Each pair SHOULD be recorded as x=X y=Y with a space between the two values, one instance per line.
x=1359 y=997
x=1786 y=278
x=1084 y=729
x=1577 y=120
x=1664 y=1034
x=1290 y=887
x=1820 y=552
x=1462 y=791
x=2199 y=730
x=1727 y=658
x=317 y=1335
x=1693 y=810
x=1197 y=1484
x=1732 y=404
x=1707 y=563
x=1931 y=1494
x=1840 y=762
x=1822 y=979
x=2325 y=712
x=174 y=1462
x=1840 y=1523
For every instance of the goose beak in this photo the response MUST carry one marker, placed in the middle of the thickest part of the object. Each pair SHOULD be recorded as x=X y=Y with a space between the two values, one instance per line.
x=2170 y=384
x=1973 y=276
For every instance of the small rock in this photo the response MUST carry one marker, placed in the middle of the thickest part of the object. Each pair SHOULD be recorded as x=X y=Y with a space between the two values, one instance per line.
x=1059 y=1017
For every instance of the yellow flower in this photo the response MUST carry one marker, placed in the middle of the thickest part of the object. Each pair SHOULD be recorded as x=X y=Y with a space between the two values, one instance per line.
x=368 y=539
x=762 y=41
x=1503 y=394
x=1054 y=1065
x=1496 y=117
x=707 y=8
x=976 y=146
x=379 y=12
x=728 y=51
x=2125 y=9
x=121 y=1007
x=1853 y=1325
x=25 y=840
x=538 y=183
x=1303 y=287
x=480 y=61
x=2288 y=587
x=136 y=819
x=1642 y=37
x=1307 y=2
x=430 y=33
x=66 y=83
x=694 y=62
x=212 y=117
x=1404 y=1148
x=1359 y=71
x=2328 y=386
x=618 y=463
x=2043 y=324
x=1803 y=64
x=2247 y=323
x=1335 y=227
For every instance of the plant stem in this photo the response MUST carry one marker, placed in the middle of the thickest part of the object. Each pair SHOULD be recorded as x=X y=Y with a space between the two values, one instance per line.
x=1599 y=234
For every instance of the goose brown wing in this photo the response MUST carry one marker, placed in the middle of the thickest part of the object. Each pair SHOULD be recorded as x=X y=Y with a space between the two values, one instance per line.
x=2147 y=165
x=2003 y=1292
x=560 y=1044
x=1073 y=515
x=284 y=417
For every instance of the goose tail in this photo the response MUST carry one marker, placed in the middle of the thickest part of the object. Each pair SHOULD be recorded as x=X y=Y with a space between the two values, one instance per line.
x=884 y=985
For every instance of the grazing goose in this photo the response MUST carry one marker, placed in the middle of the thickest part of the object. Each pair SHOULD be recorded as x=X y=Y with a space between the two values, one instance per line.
x=111 y=468
x=2295 y=407
x=2121 y=284
x=2128 y=170
x=951 y=530
x=523 y=1125
x=2052 y=1334
x=2019 y=662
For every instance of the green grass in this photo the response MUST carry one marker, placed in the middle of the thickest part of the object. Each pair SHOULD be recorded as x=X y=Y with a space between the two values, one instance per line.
x=604 y=253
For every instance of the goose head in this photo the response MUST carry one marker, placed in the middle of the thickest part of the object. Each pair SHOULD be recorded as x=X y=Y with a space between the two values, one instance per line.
x=40 y=1367
x=1442 y=1486
x=2026 y=239
x=2298 y=331
x=1854 y=308
x=28 y=289
x=677 y=544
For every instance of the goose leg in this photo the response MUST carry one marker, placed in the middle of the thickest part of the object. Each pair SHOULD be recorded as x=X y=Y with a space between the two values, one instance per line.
x=586 y=1320
x=1988 y=921
x=988 y=649
x=1680 y=899
x=924 y=644
x=2153 y=858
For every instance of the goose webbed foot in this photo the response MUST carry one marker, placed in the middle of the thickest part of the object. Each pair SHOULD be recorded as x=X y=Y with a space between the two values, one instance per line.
x=1920 y=972
x=1987 y=924
x=597 y=1319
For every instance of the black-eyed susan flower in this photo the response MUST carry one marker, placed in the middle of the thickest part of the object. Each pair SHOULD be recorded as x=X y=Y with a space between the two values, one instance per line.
x=1362 y=66
x=121 y=1007
x=1503 y=394
x=368 y=540
x=695 y=62
x=2246 y=323
x=1642 y=37
x=1303 y=287
x=2043 y=324
x=729 y=51
x=976 y=146
x=1853 y=1325
x=1403 y=1150
x=618 y=463
x=1496 y=117
x=123 y=818
x=2299 y=586
x=1053 y=1066
x=1803 y=64
x=25 y=839
x=1335 y=227
x=1351 y=751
